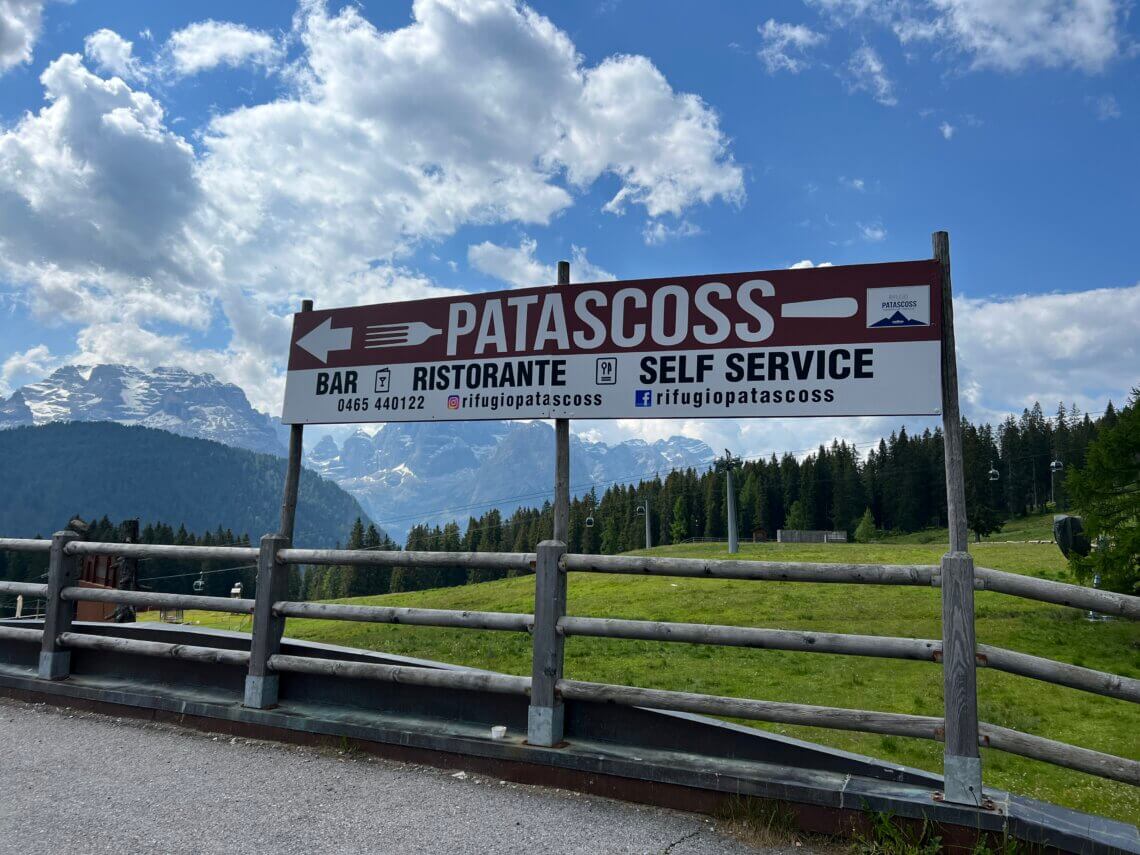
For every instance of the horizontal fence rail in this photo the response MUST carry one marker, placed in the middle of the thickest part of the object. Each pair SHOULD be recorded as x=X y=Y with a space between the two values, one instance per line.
x=155 y=600
x=274 y=555
x=27 y=589
x=477 y=560
x=22 y=544
x=410 y=617
x=768 y=571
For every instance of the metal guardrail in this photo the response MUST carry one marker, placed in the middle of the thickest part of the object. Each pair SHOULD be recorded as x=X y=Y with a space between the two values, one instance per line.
x=549 y=626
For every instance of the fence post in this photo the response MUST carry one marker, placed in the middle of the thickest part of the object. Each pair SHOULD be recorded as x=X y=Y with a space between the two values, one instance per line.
x=961 y=763
x=545 y=718
x=272 y=586
x=63 y=572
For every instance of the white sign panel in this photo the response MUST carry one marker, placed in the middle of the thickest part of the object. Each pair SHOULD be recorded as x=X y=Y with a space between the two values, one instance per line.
x=862 y=340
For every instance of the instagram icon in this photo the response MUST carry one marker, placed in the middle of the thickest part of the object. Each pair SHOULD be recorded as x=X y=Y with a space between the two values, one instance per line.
x=453 y=402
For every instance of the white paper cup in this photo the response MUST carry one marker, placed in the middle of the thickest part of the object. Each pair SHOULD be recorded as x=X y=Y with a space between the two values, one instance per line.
x=498 y=732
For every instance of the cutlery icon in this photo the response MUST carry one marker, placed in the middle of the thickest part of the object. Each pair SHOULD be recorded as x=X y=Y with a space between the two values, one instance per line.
x=398 y=335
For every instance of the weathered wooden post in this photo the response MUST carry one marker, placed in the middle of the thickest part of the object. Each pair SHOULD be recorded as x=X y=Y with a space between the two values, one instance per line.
x=63 y=572
x=545 y=718
x=962 y=765
x=272 y=586
x=293 y=470
x=562 y=453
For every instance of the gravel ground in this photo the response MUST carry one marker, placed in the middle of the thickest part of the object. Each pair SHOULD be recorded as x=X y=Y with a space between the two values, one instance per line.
x=79 y=782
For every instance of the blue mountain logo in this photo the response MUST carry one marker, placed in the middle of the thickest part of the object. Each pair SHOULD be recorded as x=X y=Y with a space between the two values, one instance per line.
x=898 y=319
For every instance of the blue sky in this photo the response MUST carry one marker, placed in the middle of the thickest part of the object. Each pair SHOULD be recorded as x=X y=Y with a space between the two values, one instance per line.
x=170 y=199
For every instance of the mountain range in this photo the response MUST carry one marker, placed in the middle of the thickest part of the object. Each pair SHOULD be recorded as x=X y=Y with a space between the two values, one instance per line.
x=169 y=399
x=404 y=474
x=435 y=472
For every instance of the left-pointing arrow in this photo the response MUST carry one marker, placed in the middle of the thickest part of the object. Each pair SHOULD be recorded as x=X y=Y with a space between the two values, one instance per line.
x=324 y=339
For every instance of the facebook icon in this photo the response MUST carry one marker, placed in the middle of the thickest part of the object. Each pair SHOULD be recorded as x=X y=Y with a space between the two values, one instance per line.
x=643 y=398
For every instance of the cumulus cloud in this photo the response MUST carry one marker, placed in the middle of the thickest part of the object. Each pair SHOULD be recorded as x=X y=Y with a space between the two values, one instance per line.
x=111 y=54
x=20 y=23
x=476 y=113
x=208 y=44
x=866 y=72
x=873 y=232
x=519 y=266
x=1077 y=347
x=947 y=130
x=21 y=368
x=784 y=47
x=1008 y=35
x=807 y=263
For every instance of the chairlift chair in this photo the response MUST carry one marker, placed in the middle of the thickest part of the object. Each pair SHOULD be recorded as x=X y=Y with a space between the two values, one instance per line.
x=200 y=584
x=589 y=522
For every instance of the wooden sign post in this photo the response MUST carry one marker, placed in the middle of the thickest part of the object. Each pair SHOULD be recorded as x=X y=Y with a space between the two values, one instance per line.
x=962 y=765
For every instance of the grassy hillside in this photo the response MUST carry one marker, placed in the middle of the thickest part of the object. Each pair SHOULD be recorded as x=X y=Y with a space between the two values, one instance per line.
x=910 y=687
x=1033 y=527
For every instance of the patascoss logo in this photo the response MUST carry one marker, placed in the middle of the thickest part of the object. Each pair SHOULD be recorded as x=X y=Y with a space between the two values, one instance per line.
x=901 y=306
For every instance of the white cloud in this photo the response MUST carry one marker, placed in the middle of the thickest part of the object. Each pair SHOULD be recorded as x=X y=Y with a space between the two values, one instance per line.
x=785 y=46
x=807 y=263
x=657 y=232
x=1079 y=347
x=867 y=72
x=21 y=368
x=208 y=44
x=518 y=266
x=857 y=184
x=1104 y=107
x=111 y=54
x=475 y=113
x=20 y=23
x=873 y=232
x=947 y=130
x=1008 y=35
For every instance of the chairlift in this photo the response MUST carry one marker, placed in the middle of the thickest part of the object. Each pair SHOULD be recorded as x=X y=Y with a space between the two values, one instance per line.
x=200 y=584
x=589 y=522
x=236 y=590
x=994 y=474
x=1056 y=466
x=640 y=511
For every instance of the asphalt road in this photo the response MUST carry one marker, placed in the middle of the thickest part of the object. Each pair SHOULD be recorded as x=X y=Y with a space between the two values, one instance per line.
x=84 y=783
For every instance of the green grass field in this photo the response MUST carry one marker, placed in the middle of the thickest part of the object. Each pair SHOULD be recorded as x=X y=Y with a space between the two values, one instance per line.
x=1082 y=719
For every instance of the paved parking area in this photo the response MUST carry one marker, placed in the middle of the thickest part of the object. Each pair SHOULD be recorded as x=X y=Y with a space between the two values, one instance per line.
x=85 y=783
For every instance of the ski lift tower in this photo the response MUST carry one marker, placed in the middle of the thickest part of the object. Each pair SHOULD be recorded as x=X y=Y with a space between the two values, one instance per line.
x=729 y=464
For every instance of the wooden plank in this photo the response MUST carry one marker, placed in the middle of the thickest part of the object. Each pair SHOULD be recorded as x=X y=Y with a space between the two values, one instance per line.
x=1059 y=673
x=924 y=650
x=27 y=589
x=1058 y=593
x=865 y=721
x=24 y=544
x=234 y=554
x=442 y=678
x=770 y=571
x=408 y=616
x=272 y=586
x=21 y=633
x=139 y=647
x=157 y=600
x=1060 y=754
x=360 y=557
x=545 y=717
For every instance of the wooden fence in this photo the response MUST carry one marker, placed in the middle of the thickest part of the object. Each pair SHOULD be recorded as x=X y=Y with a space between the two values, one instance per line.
x=549 y=626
